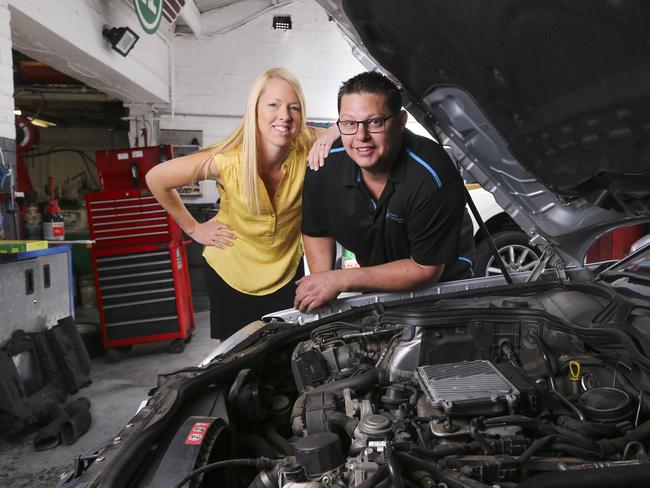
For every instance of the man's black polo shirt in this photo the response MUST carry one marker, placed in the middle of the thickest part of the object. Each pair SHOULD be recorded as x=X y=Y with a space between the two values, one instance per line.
x=419 y=214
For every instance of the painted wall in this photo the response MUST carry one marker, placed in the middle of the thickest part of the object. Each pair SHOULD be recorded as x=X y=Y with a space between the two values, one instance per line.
x=214 y=74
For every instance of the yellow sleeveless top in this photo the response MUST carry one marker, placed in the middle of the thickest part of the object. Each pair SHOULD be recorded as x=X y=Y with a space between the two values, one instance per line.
x=268 y=248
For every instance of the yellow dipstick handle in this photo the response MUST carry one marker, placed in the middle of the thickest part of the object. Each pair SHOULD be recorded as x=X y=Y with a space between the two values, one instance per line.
x=574 y=370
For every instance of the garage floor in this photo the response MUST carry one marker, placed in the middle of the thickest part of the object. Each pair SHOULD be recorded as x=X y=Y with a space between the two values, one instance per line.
x=115 y=393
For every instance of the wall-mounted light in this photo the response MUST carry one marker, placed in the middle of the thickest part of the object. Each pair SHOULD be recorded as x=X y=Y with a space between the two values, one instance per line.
x=282 y=22
x=122 y=39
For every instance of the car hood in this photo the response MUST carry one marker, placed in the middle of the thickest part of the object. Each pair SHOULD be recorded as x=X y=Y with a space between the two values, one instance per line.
x=544 y=103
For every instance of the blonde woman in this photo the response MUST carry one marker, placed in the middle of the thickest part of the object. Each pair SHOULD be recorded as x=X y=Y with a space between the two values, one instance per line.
x=253 y=248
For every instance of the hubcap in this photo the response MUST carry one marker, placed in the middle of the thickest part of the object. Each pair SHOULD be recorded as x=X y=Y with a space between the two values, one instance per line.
x=516 y=257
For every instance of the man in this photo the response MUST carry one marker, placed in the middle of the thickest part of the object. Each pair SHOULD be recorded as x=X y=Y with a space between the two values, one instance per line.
x=393 y=198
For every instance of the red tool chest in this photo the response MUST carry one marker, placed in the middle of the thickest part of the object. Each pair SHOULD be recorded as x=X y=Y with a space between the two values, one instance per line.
x=140 y=270
x=144 y=295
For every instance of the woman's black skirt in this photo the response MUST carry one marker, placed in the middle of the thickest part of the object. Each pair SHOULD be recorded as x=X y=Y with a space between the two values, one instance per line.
x=230 y=309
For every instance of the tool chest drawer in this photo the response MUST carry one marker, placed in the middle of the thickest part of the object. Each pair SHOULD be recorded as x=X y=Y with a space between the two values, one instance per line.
x=143 y=292
x=129 y=217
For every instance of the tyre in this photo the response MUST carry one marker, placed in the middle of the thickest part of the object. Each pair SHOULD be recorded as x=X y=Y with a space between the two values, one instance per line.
x=517 y=254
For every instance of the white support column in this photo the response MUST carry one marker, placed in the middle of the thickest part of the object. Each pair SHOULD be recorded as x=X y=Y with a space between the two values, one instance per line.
x=7 y=129
x=7 y=126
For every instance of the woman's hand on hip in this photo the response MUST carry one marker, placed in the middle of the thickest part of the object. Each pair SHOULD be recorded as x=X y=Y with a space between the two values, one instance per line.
x=213 y=234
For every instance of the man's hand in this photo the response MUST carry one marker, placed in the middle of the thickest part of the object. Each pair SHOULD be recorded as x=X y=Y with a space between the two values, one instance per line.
x=316 y=290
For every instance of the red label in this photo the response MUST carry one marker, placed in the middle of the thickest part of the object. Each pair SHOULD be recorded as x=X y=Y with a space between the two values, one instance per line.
x=58 y=230
x=197 y=433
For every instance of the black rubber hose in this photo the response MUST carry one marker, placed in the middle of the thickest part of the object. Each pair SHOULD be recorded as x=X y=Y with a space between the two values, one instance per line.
x=474 y=426
x=574 y=437
x=364 y=380
x=439 y=451
x=534 y=448
x=276 y=440
x=627 y=476
x=574 y=450
x=376 y=477
x=385 y=483
x=547 y=360
x=612 y=446
x=259 y=463
x=348 y=424
x=428 y=466
x=590 y=429
x=393 y=467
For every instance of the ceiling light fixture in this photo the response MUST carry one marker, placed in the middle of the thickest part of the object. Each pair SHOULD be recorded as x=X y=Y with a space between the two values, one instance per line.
x=282 y=22
x=45 y=124
x=122 y=39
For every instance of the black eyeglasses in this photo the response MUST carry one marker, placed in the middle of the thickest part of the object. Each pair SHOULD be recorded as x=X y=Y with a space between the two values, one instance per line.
x=350 y=127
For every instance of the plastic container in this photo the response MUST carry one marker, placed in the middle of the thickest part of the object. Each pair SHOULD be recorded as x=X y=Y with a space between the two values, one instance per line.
x=53 y=224
x=32 y=218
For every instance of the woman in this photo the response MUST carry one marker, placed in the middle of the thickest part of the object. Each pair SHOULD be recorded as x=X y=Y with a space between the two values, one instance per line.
x=253 y=247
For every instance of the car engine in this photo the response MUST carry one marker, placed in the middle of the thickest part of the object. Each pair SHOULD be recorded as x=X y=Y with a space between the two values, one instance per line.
x=482 y=392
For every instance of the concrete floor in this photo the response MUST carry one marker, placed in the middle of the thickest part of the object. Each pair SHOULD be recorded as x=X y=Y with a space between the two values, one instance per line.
x=115 y=393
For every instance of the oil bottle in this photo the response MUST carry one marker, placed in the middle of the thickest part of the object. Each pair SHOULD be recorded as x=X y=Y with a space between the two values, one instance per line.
x=53 y=226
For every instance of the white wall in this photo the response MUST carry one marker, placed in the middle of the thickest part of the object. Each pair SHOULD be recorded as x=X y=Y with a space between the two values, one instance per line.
x=213 y=76
x=7 y=128
x=67 y=35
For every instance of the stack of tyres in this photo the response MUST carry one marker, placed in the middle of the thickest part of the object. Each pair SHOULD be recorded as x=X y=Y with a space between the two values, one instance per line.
x=140 y=271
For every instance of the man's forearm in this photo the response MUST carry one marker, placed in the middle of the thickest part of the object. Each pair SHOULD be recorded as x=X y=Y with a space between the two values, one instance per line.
x=320 y=253
x=400 y=275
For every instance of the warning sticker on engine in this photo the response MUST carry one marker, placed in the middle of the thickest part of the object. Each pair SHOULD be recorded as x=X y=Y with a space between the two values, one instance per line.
x=197 y=433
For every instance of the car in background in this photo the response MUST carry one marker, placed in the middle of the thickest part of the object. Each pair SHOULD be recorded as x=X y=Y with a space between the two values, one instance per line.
x=513 y=245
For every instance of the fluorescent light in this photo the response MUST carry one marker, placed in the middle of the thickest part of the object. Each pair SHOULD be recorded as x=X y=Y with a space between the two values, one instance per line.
x=41 y=123
x=18 y=112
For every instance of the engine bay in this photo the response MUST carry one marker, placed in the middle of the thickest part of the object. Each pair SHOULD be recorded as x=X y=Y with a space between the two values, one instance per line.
x=509 y=391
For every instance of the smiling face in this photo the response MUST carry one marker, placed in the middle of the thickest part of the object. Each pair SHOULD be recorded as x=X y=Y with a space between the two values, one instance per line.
x=279 y=114
x=372 y=151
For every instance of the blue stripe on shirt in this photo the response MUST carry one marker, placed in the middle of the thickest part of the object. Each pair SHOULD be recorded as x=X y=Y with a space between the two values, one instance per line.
x=469 y=261
x=426 y=166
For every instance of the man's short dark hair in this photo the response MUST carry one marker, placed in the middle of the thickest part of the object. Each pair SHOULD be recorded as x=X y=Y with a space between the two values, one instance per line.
x=372 y=82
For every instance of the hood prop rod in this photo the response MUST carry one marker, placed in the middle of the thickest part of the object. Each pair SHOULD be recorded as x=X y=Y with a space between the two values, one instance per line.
x=484 y=228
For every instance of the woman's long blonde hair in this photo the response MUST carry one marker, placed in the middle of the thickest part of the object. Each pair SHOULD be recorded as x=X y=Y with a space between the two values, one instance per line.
x=245 y=136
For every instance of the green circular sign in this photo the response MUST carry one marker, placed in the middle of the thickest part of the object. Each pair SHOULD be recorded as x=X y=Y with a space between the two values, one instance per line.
x=149 y=14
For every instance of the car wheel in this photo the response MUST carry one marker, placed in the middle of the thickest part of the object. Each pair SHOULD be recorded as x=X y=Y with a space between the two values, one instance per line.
x=517 y=254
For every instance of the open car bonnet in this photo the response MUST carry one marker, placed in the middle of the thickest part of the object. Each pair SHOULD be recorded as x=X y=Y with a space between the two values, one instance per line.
x=545 y=103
